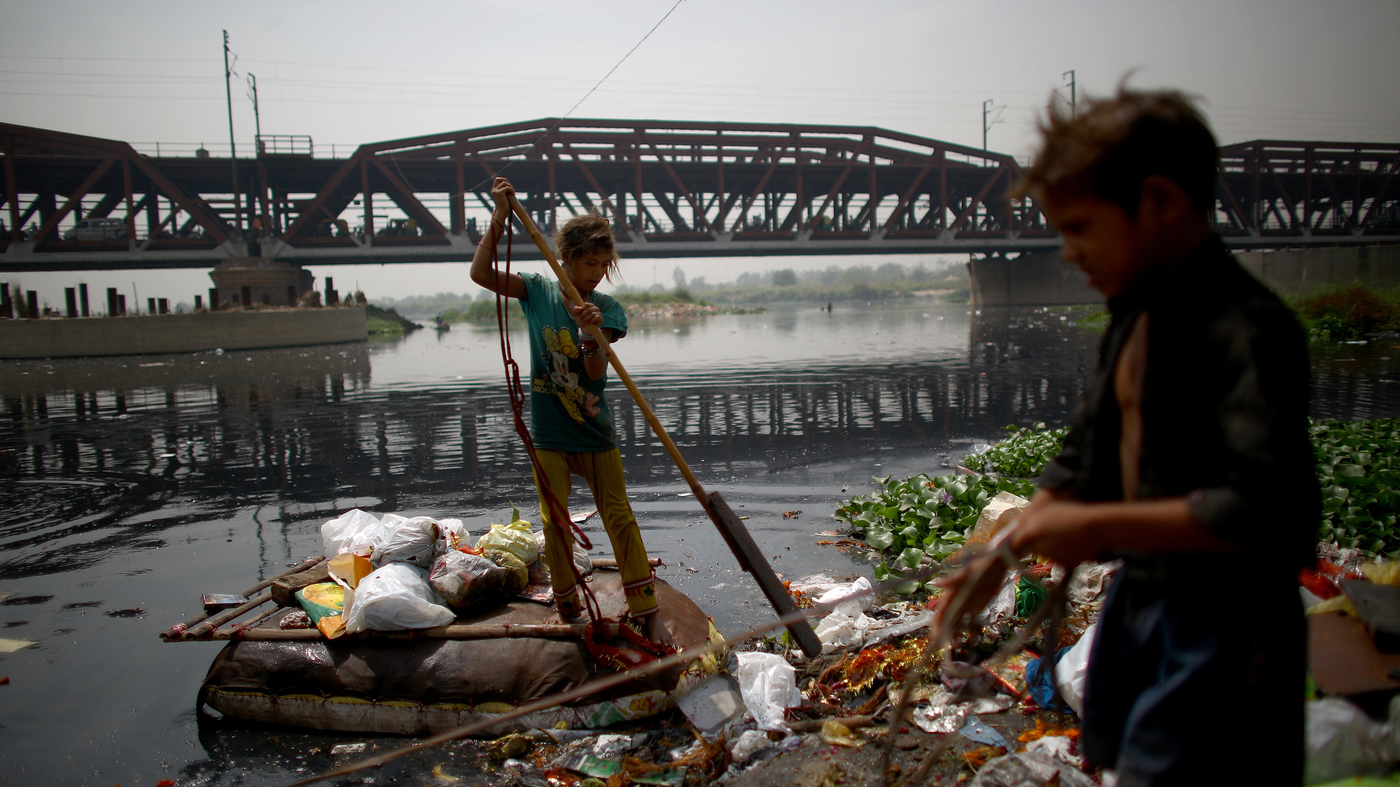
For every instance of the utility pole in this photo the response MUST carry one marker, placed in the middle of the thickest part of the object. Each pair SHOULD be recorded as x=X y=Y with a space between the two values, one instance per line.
x=1073 y=103
x=233 y=151
x=257 y=119
x=987 y=107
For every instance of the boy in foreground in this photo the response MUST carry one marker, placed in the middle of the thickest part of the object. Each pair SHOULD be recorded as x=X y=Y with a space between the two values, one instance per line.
x=1190 y=459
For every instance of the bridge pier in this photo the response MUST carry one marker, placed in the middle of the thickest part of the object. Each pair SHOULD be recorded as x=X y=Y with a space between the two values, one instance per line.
x=1039 y=279
x=259 y=280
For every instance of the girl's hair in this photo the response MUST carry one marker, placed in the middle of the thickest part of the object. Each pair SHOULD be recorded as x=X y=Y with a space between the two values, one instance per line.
x=586 y=234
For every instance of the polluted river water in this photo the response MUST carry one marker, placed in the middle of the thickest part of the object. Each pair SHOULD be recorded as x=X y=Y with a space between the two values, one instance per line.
x=134 y=485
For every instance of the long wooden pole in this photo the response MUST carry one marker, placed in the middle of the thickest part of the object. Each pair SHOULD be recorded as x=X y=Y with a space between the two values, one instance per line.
x=740 y=542
x=455 y=631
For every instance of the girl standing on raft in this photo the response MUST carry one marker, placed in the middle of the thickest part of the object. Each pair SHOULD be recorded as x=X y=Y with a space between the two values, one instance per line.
x=570 y=424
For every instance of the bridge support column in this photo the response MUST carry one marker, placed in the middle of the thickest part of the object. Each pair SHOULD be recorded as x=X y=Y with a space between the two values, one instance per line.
x=264 y=280
x=1029 y=280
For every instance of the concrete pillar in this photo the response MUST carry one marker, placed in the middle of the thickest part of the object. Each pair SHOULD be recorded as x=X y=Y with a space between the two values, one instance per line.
x=213 y=299
x=163 y=305
x=150 y=305
x=33 y=304
x=247 y=299
x=112 y=303
x=198 y=302
x=83 y=298
x=70 y=296
x=121 y=305
x=7 y=309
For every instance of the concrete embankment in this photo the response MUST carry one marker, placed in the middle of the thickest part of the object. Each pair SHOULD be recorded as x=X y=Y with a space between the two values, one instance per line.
x=1044 y=279
x=173 y=333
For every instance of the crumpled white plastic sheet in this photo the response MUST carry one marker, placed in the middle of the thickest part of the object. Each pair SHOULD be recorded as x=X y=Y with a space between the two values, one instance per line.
x=1072 y=671
x=1342 y=741
x=1091 y=580
x=847 y=624
x=1057 y=747
x=1003 y=605
x=944 y=714
x=1028 y=769
x=749 y=744
x=768 y=685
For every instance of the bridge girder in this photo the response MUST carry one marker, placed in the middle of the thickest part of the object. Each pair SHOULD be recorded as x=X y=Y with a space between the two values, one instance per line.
x=671 y=189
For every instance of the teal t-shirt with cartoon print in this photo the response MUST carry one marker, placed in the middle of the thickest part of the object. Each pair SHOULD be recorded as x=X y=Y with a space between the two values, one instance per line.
x=567 y=409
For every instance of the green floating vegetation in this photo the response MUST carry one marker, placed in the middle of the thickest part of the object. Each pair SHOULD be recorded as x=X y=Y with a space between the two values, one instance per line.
x=1358 y=467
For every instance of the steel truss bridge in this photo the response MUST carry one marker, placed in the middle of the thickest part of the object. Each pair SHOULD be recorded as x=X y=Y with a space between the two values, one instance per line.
x=671 y=189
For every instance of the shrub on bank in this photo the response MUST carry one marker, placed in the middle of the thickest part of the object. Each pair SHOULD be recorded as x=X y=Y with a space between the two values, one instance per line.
x=1348 y=313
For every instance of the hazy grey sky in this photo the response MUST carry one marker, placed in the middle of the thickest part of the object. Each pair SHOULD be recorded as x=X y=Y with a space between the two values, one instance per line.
x=351 y=72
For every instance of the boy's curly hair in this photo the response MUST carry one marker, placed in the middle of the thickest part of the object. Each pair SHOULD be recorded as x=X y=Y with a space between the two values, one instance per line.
x=584 y=234
x=1110 y=148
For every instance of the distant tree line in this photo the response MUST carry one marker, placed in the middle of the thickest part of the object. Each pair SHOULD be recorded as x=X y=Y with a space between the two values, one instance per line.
x=833 y=283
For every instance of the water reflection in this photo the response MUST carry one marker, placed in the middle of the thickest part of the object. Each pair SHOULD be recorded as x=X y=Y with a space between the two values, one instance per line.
x=220 y=432
x=91 y=443
x=143 y=482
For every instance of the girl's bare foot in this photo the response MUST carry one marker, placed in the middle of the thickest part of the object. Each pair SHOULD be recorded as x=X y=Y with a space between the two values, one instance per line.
x=657 y=632
x=560 y=618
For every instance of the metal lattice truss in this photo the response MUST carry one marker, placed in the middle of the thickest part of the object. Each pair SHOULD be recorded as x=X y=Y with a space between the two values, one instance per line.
x=671 y=189
x=698 y=189
x=1291 y=189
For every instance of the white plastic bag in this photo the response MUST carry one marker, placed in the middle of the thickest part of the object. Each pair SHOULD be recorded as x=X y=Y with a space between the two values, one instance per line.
x=768 y=685
x=345 y=532
x=451 y=534
x=413 y=541
x=1073 y=670
x=396 y=597
x=583 y=561
x=1342 y=741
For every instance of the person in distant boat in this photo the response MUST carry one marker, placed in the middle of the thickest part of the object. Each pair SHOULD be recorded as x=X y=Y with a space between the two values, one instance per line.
x=570 y=423
x=1190 y=459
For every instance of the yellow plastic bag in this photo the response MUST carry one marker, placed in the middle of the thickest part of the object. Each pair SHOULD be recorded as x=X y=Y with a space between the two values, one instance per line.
x=514 y=538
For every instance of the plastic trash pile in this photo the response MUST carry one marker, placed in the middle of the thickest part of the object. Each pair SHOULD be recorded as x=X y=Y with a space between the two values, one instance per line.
x=393 y=573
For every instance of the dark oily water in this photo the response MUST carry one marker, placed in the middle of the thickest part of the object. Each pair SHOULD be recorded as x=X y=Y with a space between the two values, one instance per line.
x=133 y=485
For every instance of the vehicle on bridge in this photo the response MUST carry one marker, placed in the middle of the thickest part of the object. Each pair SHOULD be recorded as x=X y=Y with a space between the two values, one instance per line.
x=96 y=229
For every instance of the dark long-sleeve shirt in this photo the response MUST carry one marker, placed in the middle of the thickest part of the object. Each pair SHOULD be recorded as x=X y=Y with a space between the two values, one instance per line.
x=1224 y=409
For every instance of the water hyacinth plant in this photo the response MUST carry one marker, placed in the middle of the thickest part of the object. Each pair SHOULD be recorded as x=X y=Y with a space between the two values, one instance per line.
x=931 y=517
x=923 y=517
x=1358 y=466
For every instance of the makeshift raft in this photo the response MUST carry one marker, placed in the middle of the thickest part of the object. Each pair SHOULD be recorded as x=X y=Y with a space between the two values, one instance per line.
x=433 y=680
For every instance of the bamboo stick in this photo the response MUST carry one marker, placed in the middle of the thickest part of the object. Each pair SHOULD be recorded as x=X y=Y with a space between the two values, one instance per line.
x=461 y=631
x=610 y=563
x=577 y=300
x=815 y=725
x=200 y=630
x=304 y=565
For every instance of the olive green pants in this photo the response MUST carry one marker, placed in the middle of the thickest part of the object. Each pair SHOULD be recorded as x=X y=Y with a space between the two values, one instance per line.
x=602 y=471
